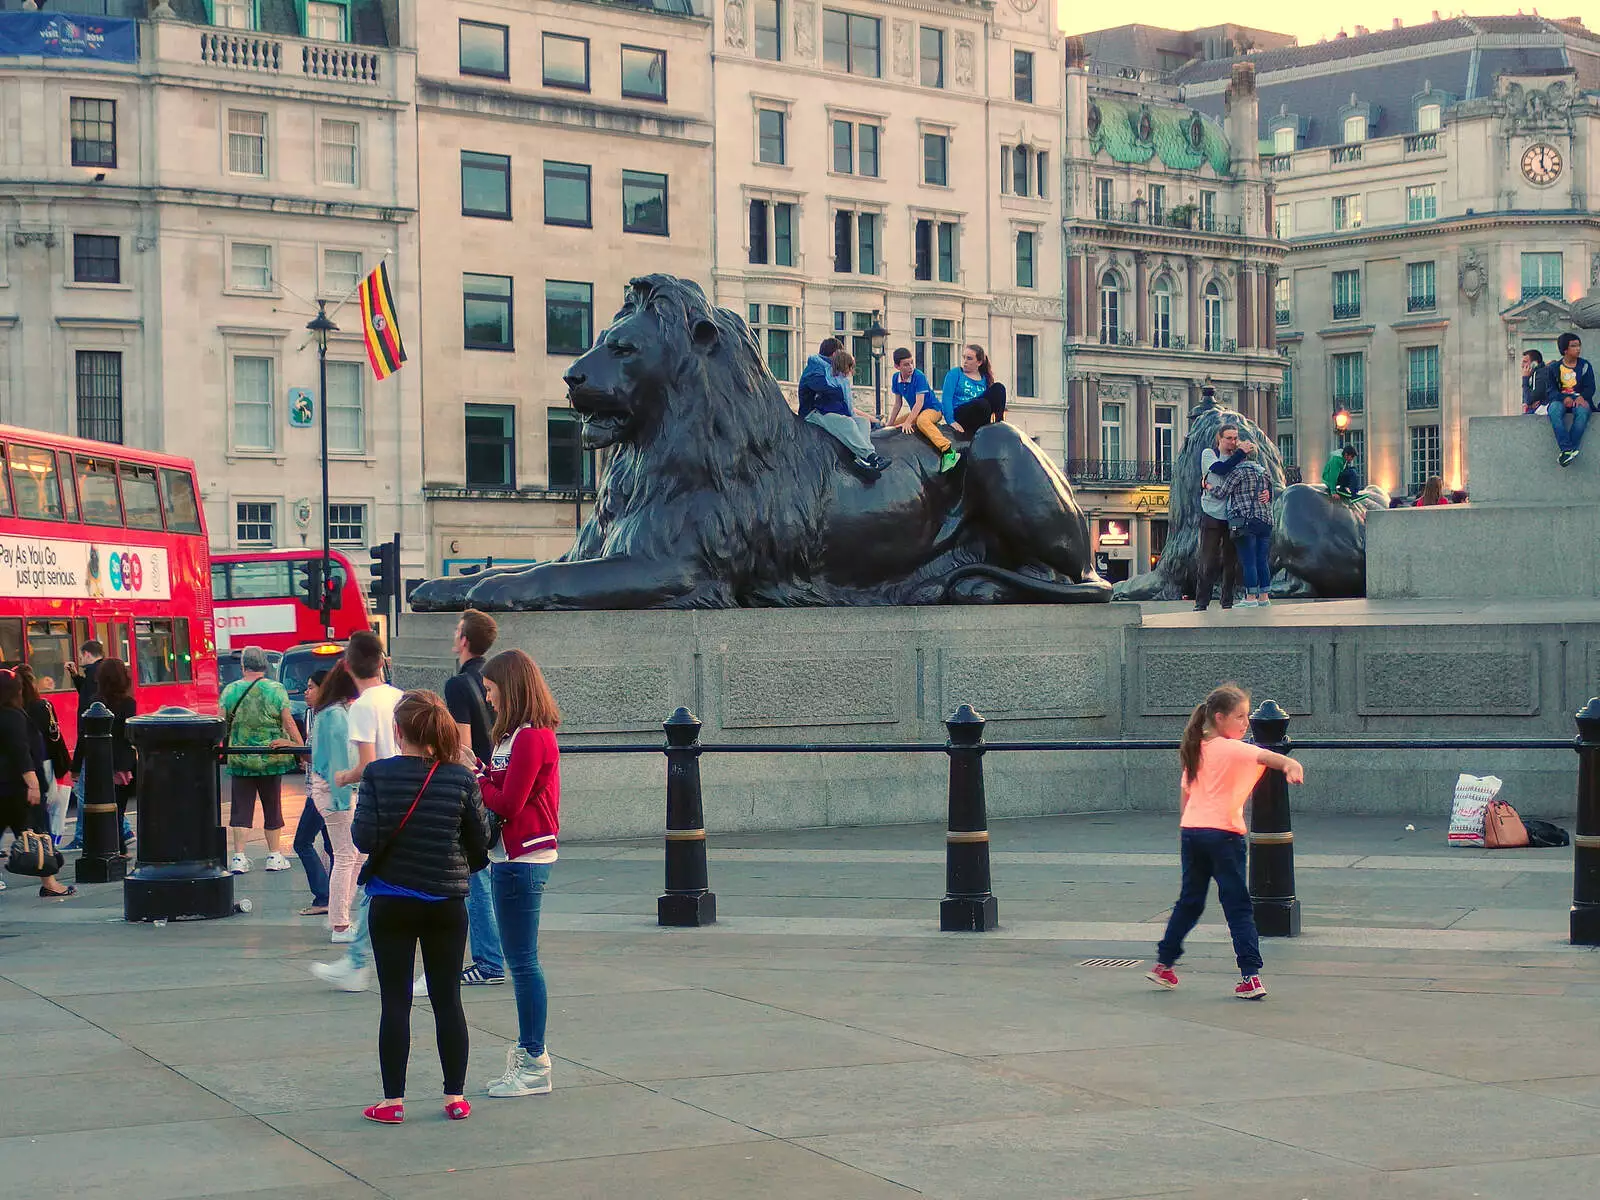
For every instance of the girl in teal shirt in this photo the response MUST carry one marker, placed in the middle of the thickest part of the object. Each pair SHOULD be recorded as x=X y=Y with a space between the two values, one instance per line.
x=332 y=751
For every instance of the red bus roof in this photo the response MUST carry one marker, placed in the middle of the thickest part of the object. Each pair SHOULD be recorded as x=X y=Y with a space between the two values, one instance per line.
x=272 y=553
x=62 y=441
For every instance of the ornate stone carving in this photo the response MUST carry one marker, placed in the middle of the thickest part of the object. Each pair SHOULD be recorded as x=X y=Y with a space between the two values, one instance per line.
x=1594 y=270
x=34 y=237
x=805 y=29
x=1116 y=389
x=1473 y=277
x=902 y=49
x=1538 y=108
x=964 y=57
x=1007 y=305
x=733 y=23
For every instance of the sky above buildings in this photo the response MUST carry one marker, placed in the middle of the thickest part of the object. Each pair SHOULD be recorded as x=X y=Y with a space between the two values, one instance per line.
x=1310 y=22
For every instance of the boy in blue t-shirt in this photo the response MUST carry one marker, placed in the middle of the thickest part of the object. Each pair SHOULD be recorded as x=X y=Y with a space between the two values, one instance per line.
x=925 y=408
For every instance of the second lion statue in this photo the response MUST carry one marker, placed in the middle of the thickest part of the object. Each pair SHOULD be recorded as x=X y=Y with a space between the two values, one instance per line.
x=717 y=496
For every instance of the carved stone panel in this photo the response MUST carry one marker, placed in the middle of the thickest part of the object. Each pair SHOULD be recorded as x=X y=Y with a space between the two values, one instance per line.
x=762 y=691
x=1466 y=680
x=733 y=23
x=902 y=49
x=964 y=59
x=1006 y=305
x=805 y=29
x=1172 y=682
x=1026 y=686
x=610 y=697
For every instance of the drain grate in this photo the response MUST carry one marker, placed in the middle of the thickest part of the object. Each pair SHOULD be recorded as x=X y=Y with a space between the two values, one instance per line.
x=1111 y=962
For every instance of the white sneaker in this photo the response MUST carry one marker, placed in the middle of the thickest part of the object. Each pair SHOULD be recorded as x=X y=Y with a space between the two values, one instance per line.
x=239 y=864
x=525 y=1075
x=342 y=975
x=275 y=862
x=343 y=937
x=419 y=986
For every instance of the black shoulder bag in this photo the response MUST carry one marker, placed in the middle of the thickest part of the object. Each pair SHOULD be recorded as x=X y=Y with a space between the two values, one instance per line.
x=377 y=855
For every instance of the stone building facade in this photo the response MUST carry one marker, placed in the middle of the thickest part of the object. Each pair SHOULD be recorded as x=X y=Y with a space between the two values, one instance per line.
x=1170 y=267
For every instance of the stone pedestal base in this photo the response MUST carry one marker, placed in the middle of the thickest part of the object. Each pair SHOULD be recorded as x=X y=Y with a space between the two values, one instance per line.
x=969 y=914
x=687 y=912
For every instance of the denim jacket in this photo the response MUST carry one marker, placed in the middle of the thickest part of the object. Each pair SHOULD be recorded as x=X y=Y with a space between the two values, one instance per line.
x=332 y=751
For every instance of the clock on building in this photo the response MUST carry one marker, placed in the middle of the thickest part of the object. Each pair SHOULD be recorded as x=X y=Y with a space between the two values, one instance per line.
x=1541 y=163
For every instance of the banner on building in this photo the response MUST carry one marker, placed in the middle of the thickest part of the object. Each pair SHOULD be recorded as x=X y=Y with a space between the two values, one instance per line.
x=385 y=351
x=59 y=35
x=56 y=569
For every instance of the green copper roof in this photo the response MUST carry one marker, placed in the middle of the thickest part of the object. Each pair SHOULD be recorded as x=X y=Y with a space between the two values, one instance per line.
x=1133 y=132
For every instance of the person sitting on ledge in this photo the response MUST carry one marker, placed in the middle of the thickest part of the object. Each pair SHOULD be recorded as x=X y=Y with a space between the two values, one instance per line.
x=1569 y=385
x=1339 y=474
x=827 y=406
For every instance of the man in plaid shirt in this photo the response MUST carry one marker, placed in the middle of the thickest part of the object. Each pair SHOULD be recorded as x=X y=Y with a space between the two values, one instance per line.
x=1247 y=493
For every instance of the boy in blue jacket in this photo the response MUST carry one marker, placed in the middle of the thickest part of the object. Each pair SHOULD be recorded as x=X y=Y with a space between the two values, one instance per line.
x=1569 y=385
x=825 y=404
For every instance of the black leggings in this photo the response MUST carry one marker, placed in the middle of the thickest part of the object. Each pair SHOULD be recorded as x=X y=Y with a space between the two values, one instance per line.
x=397 y=924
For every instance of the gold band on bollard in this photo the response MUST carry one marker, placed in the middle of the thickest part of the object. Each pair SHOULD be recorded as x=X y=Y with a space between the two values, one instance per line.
x=1581 y=841
x=686 y=835
x=1271 y=839
x=99 y=808
x=956 y=838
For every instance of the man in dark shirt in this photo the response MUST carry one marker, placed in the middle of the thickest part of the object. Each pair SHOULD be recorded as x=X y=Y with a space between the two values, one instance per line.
x=464 y=697
x=86 y=678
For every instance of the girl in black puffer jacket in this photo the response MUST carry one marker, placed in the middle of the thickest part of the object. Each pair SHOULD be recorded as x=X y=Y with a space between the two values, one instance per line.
x=421 y=819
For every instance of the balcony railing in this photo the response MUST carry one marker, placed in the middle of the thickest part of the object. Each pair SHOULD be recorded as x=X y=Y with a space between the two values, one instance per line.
x=1346 y=154
x=1420 y=303
x=1346 y=310
x=1284 y=316
x=1129 y=471
x=263 y=55
x=1279 y=163
x=1553 y=290
x=1422 y=396
x=1291 y=473
x=1419 y=143
x=1221 y=345
x=1181 y=217
x=1285 y=407
x=1352 y=402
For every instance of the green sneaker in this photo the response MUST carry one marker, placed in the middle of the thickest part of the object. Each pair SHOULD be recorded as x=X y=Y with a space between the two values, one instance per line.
x=948 y=461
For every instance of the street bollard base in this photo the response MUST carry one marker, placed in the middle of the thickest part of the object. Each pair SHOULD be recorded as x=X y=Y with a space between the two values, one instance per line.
x=1585 y=925
x=1277 y=918
x=682 y=911
x=112 y=869
x=204 y=898
x=969 y=914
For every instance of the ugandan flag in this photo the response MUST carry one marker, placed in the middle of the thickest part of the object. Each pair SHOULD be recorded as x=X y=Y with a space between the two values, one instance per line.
x=385 y=351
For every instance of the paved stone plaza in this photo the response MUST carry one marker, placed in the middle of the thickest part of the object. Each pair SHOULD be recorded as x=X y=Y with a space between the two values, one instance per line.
x=1431 y=1036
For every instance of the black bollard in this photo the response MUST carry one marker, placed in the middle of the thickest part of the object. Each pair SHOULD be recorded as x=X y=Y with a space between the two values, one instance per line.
x=968 y=905
x=102 y=860
x=181 y=873
x=1271 y=842
x=688 y=900
x=1586 y=838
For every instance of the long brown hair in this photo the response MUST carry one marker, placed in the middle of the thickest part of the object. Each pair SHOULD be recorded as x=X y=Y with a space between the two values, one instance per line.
x=30 y=686
x=113 y=680
x=525 y=698
x=10 y=689
x=985 y=367
x=337 y=686
x=1222 y=701
x=423 y=721
x=1432 y=492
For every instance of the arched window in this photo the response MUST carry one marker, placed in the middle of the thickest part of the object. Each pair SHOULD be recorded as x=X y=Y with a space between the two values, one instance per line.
x=1213 y=316
x=1110 y=309
x=1161 y=314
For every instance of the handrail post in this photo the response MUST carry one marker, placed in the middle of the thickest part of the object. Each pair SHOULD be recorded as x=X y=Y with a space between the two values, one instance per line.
x=102 y=860
x=688 y=900
x=1272 y=897
x=1586 y=838
x=968 y=906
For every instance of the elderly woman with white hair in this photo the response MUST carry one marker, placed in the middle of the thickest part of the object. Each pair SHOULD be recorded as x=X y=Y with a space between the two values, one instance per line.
x=257 y=713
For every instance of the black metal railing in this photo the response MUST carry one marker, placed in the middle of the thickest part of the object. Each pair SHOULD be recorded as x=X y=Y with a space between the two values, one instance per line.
x=1350 y=401
x=1284 y=316
x=1181 y=217
x=1291 y=473
x=1346 y=310
x=1285 y=408
x=1422 y=396
x=1419 y=303
x=1107 y=470
x=1532 y=291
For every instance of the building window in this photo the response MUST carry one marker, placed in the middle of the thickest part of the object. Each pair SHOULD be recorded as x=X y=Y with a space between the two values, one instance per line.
x=1422 y=202
x=566 y=62
x=1021 y=171
x=1102 y=199
x=1346 y=212
x=253 y=424
x=341 y=272
x=325 y=22
x=341 y=153
x=491 y=446
x=1166 y=431
x=1212 y=312
x=930 y=43
x=644 y=73
x=1422 y=377
x=1282 y=221
x=936 y=159
x=922 y=266
x=1346 y=295
x=1283 y=139
x=347 y=523
x=566 y=194
x=855 y=242
x=100 y=395
x=850 y=42
x=568 y=316
x=254 y=523
x=1042 y=173
x=247 y=142
x=1283 y=300
x=1355 y=130
x=1110 y=310
x=1208 y=211
x=485 y=50
x=947 y=252
x=1027 y=376
x=1025 y=257
x=232 y=14
x=772 y=233
x=1161 y=315
x=1158 y=204
x=855 y=148
x=1286 y=449
x=860 y=344
x=939 y=349
x=1541 y=275
x=1350 y=382
x=347 y=423
x=1286 y=392
x=570 y=467
x=1428 y=118
x=486 y=312
x=251 y=269
x=644 y=203
x=1421 y=294
x=1022 y=76
x=769 y=30
x=94 y=132
x=485 y=185
x=1427 y=458
x=770 y=136
x=96 y=258
x=775 y=336
x=1110 y=433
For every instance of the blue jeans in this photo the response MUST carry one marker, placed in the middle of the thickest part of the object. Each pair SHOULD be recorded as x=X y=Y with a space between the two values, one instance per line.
x=305 y=845
x=1252 y=544
x=359 y=952
x=482 y=928
x=1579 y=413
x=518 y=896
x=1209 y=854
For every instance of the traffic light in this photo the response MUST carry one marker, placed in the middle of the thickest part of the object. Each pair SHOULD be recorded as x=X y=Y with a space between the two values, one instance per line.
x=385 y=572
x=311 y=583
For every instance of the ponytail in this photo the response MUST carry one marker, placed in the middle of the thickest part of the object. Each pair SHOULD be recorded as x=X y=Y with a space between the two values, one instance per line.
x=1220 y=702
x=422 y=719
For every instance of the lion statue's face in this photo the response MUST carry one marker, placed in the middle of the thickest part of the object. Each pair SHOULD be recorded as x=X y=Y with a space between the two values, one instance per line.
x=620 y=384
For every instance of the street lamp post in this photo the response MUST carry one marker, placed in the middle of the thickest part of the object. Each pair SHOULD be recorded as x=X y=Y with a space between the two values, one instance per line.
x=320 y=327
x=877 y=335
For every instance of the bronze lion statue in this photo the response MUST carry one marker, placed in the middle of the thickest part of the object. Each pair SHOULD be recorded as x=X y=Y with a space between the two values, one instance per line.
x=716 y=495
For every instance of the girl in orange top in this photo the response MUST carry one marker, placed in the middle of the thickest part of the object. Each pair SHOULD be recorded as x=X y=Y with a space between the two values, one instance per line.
x=1220 y=770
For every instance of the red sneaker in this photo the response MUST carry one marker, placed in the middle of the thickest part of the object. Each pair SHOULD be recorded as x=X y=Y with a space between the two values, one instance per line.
x=385 y=1114
x=458 y=1110
x=1251 y=988
x=1162 y=976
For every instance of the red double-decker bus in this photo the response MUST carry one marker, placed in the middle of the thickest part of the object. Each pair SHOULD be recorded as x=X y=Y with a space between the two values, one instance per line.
x=268 y=598
x=105 y=543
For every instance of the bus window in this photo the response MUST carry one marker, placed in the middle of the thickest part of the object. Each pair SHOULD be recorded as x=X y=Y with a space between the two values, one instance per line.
x=97 y=491
x=160 y=659
x=49 y=648
x=113 y=635
x=10 y=641
x=33 y=474
x=183 y=510
x=265 y=580
x=68 y=492
x=5 y=497
x=182 y=654
x=219 y=582
x=140 y=499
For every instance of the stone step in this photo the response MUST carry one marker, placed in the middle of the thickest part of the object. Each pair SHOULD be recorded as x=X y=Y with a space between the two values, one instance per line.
x=1512 y=459
x=1476 y=551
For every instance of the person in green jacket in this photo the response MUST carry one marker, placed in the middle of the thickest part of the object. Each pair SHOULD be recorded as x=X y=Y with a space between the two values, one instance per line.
x=256 y=710
x=1339 y=475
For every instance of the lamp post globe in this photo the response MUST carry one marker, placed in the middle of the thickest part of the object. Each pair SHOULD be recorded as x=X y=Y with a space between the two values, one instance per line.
x=877 y=337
